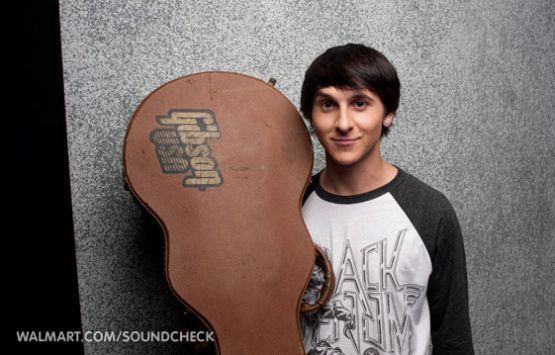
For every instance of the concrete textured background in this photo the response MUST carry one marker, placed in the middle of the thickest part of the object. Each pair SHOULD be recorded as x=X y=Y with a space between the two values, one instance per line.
x=475 y=121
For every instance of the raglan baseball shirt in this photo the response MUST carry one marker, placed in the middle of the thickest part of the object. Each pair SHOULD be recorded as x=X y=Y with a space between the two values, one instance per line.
x=400 y=269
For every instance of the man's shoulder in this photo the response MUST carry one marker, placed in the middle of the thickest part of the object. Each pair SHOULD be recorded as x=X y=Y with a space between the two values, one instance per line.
x=311 y=186
x=411 y=193
x=428 y=209
x=414 y=185
x=420 y=197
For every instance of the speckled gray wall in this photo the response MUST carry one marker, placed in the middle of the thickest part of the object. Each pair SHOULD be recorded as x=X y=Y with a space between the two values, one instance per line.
x=476 y=121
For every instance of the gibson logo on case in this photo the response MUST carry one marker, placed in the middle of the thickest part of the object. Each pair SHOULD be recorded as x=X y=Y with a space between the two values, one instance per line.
x=184 y=146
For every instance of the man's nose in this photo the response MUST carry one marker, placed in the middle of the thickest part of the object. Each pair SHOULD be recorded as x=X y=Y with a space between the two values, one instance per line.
x=344 y=122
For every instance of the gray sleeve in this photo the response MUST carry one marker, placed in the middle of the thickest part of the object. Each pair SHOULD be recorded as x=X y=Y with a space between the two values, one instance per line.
x=447 y=290
x=434 y=218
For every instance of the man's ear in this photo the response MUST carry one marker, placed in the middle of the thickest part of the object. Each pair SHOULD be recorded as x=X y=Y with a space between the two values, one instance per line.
x=388 y=119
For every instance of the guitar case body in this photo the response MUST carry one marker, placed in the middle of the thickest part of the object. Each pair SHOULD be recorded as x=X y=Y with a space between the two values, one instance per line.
x=222 y=160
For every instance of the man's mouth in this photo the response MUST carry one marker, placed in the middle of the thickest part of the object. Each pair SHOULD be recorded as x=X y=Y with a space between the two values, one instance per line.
x=344 y=142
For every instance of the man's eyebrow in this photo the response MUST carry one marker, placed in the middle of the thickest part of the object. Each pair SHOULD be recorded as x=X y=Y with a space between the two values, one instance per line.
x=323 y=95
x=356 y=95
x=361 y=95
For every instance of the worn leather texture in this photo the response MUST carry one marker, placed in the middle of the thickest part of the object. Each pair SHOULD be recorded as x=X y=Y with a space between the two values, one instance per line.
x=222 y=160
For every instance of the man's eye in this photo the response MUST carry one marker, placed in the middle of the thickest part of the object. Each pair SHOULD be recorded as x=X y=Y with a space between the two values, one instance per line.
x=360 y=103
x=326 y=104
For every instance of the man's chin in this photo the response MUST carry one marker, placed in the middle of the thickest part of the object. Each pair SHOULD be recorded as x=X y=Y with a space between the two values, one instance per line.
x=343 y=162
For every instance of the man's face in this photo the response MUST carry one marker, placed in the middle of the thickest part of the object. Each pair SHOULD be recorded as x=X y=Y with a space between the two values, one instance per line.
x=348 y=124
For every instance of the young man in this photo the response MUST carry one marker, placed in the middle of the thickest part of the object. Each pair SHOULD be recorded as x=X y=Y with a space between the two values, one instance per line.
x=394 y=242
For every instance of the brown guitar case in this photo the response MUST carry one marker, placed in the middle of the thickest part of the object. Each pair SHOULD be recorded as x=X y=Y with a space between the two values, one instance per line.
x=222 y=161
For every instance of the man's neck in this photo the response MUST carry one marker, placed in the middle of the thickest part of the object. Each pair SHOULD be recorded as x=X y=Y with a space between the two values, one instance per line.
x=356 y=179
